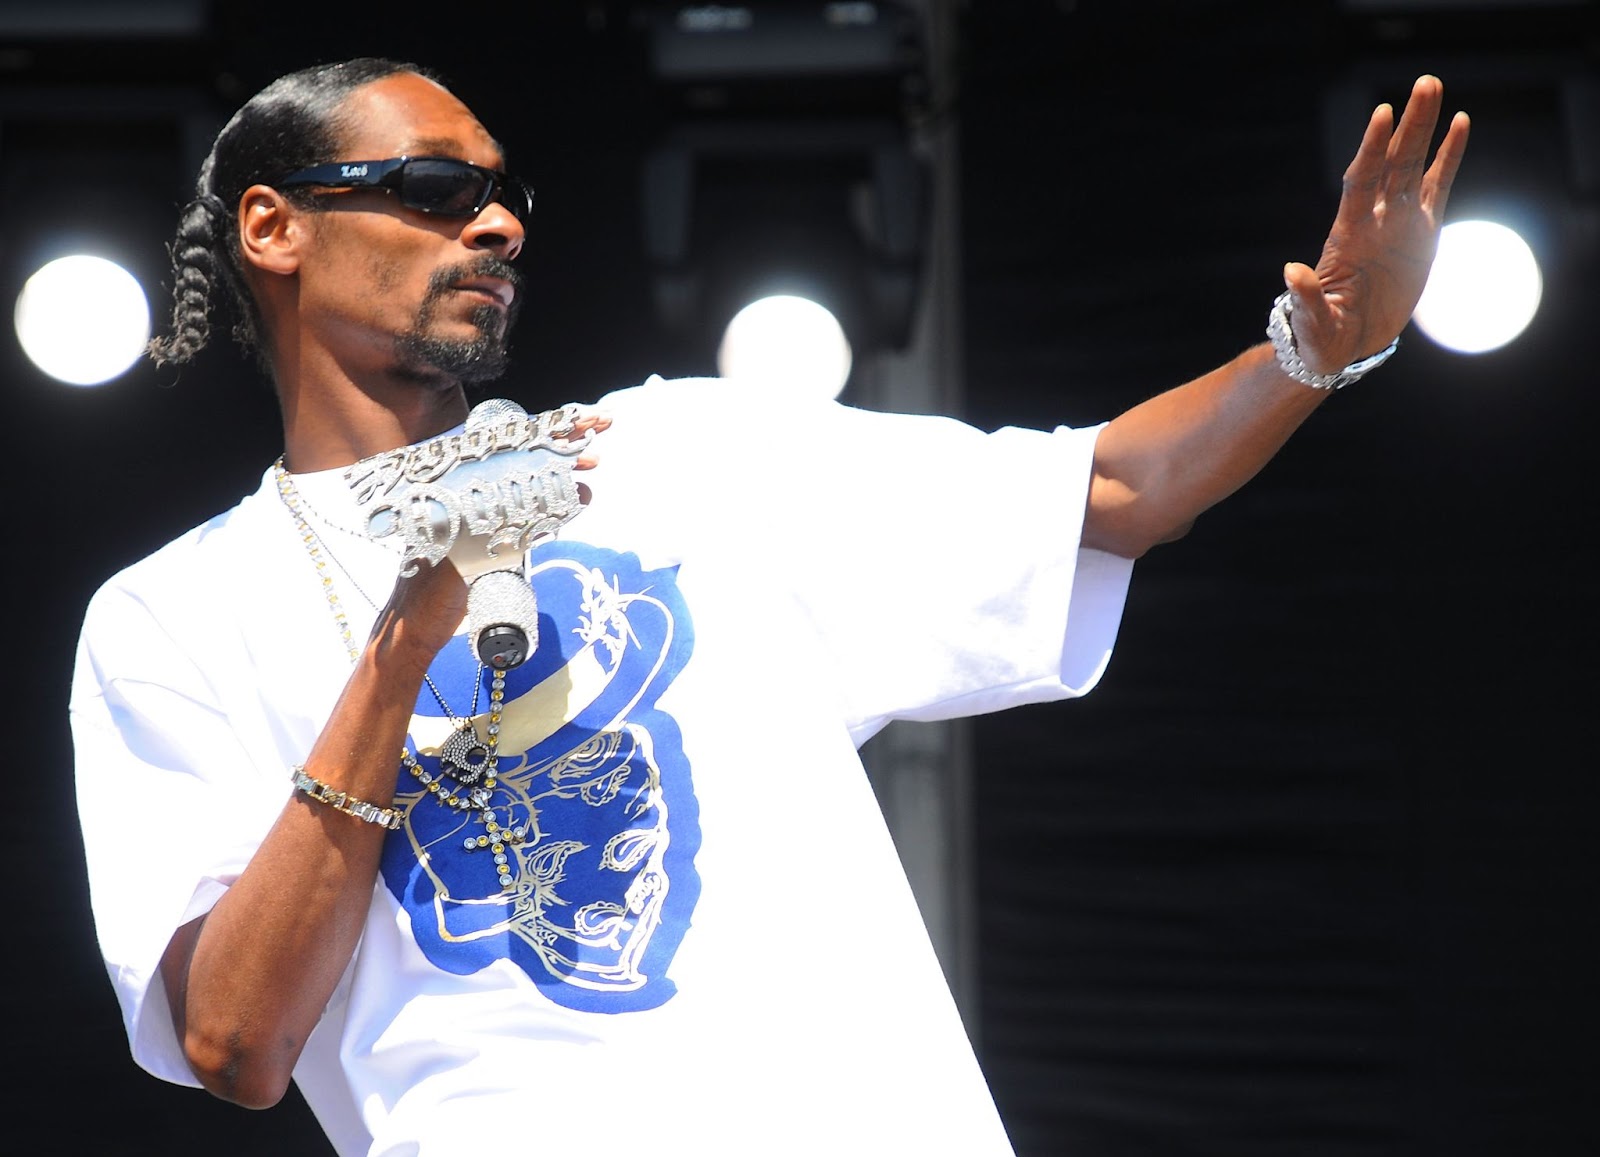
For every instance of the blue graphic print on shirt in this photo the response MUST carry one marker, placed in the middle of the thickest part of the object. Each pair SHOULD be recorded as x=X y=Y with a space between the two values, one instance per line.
x=602 y=885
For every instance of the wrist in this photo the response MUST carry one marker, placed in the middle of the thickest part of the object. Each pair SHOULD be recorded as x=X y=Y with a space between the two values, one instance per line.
x=1284 y=346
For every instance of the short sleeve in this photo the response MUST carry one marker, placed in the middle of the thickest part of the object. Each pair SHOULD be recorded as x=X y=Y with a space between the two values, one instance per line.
x=939 y=566
x=167 y=818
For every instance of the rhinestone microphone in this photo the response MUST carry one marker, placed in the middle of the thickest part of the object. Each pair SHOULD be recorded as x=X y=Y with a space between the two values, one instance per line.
x=480 y=498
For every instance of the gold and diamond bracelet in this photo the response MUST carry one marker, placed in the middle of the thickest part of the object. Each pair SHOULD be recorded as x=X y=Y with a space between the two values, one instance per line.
x=386 y=817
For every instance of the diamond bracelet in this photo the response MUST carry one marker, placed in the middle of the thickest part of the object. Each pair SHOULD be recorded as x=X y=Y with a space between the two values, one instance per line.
x=1283 y=345
x=386 y=817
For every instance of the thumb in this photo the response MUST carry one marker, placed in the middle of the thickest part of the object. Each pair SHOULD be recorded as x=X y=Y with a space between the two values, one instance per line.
x=1302 y=281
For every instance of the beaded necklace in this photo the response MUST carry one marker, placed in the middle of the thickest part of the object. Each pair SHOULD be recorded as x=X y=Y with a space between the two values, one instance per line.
x=467 y=763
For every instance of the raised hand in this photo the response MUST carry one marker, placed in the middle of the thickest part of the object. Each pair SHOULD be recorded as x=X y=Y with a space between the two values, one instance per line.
x=1376 y=259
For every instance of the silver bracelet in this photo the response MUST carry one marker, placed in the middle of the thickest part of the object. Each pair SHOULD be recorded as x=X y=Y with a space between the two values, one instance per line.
x=386 y=817
x=1283 y=345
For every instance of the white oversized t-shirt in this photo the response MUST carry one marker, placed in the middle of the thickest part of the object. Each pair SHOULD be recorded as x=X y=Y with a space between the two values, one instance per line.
x=708 y=944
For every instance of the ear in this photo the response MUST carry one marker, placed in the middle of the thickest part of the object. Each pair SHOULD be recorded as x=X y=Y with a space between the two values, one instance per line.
x=272 y=231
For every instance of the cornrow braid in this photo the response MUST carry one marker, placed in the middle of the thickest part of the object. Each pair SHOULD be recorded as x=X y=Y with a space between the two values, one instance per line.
x=194 y=275
x=291 y=124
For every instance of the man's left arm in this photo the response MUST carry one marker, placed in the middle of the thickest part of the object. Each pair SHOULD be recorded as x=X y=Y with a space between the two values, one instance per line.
x=1161 y=464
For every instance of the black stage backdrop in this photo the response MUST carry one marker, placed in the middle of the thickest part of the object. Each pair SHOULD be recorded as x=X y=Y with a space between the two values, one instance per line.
x=1310 y=873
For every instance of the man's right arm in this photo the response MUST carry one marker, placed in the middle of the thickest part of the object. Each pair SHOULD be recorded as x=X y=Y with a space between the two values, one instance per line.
x=248 y=981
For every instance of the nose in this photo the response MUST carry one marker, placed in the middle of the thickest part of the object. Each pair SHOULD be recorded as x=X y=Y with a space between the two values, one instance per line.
x=497 y=229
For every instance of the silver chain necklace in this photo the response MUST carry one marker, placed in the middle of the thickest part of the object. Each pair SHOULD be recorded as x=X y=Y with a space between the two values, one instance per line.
x=468 y=763
x=291 y=493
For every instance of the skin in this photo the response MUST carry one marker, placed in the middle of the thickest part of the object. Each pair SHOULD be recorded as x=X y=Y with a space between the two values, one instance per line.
x=1161 y=464
x=248 y=982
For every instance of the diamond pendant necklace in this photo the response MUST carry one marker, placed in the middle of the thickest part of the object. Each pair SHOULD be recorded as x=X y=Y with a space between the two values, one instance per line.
x=468 y=763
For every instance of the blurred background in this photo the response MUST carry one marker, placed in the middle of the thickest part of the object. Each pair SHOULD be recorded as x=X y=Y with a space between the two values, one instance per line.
x=1312 y=871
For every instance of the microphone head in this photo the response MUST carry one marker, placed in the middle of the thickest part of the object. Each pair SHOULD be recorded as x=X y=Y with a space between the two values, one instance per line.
x=493 y=412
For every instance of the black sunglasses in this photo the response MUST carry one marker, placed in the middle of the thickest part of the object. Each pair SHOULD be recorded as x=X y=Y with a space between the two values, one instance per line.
x=440 y=185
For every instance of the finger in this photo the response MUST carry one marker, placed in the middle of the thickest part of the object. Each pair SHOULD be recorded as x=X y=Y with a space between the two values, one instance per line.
x=1408 y=148
x=1441 y=175
x=1362 y=177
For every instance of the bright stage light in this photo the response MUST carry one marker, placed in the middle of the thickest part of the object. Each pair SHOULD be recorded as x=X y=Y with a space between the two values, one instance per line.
x=82 y=320
x=786 y=342
x=1483 y=290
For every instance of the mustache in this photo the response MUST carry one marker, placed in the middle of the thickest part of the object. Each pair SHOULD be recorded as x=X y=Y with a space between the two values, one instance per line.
x=487 y=265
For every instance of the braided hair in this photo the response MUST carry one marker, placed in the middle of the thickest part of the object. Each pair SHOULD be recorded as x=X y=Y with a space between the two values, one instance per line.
x=291 y=124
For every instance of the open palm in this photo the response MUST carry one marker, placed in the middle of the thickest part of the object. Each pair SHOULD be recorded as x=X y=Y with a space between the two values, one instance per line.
x=1375 y=261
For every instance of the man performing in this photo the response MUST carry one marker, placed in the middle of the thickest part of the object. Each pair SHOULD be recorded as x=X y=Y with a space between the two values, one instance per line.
x=634 y=892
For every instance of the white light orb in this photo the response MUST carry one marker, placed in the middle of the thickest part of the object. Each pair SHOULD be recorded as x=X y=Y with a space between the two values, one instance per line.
x=1483 y=290
x=786 y=342
x=82 y=319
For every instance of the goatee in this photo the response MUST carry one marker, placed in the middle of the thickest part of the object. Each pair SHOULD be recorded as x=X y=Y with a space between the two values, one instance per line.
x=480 y=358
